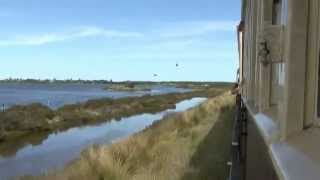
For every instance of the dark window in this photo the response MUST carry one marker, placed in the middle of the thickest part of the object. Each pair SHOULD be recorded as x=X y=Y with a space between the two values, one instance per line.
x=276 y=12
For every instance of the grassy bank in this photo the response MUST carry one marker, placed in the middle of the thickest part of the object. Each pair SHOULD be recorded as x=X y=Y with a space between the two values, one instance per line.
x=192 y=145
x=147 y=86
x=20 y=121
x=128 y=87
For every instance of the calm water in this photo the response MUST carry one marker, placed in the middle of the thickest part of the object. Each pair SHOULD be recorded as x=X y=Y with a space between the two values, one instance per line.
x=56 y=95
x=55 y=150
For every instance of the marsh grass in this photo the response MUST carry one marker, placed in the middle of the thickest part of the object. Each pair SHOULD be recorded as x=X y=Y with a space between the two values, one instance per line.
x=128 y=87
x=188 y=145
x=35 y=118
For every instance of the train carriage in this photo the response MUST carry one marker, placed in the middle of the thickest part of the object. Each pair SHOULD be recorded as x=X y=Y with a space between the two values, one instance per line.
x=278 y=81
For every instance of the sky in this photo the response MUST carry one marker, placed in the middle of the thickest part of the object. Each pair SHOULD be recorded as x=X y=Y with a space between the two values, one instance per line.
x=119 y=40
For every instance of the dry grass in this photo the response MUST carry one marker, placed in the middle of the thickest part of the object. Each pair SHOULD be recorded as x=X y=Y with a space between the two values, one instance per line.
x=189 y=145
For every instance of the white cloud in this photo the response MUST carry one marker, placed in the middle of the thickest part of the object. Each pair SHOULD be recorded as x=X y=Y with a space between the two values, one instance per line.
x=96 y=31
x=77 y=33
x=198 y=28
x=185 y=30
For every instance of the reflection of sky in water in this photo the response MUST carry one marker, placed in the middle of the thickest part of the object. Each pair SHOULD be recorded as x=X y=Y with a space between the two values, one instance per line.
x=56 y=95
x=60 y=148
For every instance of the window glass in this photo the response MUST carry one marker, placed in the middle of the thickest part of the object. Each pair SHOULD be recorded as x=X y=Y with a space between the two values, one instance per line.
x=277 y=82
x=281 y=74
x=276 y=12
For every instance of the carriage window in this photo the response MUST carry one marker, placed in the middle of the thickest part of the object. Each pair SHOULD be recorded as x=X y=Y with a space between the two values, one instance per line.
x=276 y=12
x=277 y=83
x=277 y=69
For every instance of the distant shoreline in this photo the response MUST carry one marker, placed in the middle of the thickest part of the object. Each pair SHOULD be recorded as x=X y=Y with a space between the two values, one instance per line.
x=125 y=86
x=44 y=81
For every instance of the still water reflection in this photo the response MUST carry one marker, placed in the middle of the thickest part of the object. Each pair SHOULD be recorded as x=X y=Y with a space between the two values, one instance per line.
x=35 y=155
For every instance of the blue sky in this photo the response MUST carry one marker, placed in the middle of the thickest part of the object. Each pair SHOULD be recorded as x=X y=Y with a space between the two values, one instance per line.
x=119 y=40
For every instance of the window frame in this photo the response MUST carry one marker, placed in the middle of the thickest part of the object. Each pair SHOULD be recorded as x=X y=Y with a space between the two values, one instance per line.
x=276 y=89
x=313 y=62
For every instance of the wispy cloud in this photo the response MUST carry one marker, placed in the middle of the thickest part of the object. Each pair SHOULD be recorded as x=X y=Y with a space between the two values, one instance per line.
x=96 y=31
x=46 y=38
x=197 y=28
x=170 y=31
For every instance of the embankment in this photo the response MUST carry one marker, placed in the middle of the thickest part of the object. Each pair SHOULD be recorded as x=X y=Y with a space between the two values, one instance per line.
x=191 y=145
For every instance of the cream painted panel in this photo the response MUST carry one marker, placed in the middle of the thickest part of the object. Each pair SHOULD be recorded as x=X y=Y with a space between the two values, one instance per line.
x=295 y=74
x=313 y=58
x=298 y=158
